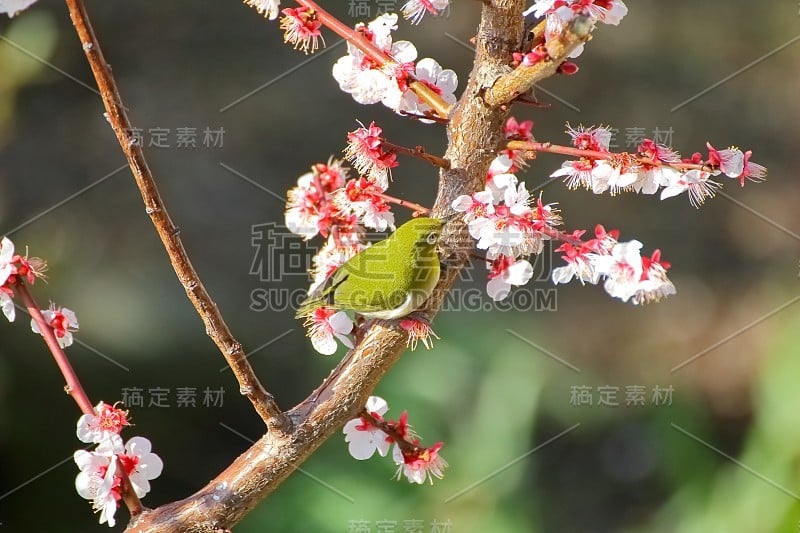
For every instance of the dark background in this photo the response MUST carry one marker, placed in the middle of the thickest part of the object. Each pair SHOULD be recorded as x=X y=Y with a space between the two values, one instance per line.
x=490 y=396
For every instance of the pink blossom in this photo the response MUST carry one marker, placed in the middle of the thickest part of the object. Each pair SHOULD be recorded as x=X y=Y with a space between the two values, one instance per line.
x=654 y=284
x=106 y=423
x=365 y=150
x=63 y=322
x=419 y=464
x=441 y=81
x=309 y=210
x=268 y=8
x=752 y=171
x=504 y=273
x=368 y=82
x=622 y=269
x=592 y=138
x=99 y=480
x=302 y=28
x=696 y=183
x=730 y=161
x=7 y=267
x=418 y=331
x=362 y=198
x=414 y=10
x=363 y=438
x=7 y=304
x=325 y=326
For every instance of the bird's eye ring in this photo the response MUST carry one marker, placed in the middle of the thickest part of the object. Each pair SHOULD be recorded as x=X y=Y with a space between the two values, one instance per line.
x=432 y=237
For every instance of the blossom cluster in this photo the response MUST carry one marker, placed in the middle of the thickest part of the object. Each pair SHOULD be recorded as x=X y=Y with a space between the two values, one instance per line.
x=628 y=275
x=113 y=464
x=509 y=226
x=369 y=81
x=15 y=268
x=559 y=14
x=652 y=168
x=367 y=435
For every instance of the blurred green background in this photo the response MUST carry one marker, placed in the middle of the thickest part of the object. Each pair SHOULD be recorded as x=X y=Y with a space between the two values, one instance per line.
x=724 y=456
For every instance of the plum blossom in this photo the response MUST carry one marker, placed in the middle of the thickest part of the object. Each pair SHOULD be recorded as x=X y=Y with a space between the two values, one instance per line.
x=752 y=171
x=363 y=438
x=100 y=481
x=654 y=283
x=419 y=464
x=429 y=72
x=505 y=273
x=730 y=162
x=367 y=81
x=580 y=260
x=105 y=424
x=308 y=209
x=622 y=269
x=414 y=10
x=268 y=8
x=696 y=183
x=577 y=174
x=362 y=199
x=501 y=219
x=7 y=304
x=418 y=331
x=365 y=150
x=7 y=267
x=325 y=326
x=475 y=206
x=606 y=11
x=516 y=131
x=141 y=464
x=62 y=320
x=302 y=28
x=497 y=184
x=613 y=176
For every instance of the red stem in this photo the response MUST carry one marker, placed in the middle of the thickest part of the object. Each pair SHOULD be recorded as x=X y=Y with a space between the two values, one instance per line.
x=74 y=387
x=417 y=151
x=593 y=154
x=390 y=430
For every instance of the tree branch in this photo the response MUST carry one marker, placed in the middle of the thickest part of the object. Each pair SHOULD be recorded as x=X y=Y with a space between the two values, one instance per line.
x=522 y=79
x=475 y=132
x=216 y=328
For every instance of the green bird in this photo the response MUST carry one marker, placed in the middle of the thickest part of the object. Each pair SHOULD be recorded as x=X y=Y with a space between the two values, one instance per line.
x=388 y=280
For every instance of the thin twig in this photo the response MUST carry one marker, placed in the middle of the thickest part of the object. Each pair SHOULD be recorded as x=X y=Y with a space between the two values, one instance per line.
x=421 y=209
x=74 y=387
x=533 y=147
x=216 y=328
x=417 y=151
